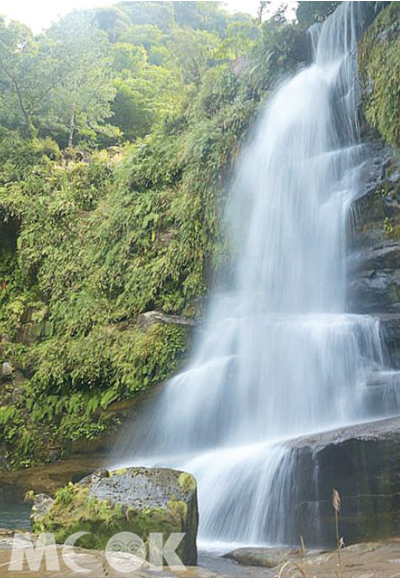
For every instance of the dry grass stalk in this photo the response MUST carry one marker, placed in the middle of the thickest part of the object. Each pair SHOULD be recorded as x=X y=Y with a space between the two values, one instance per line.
x=336 y=503
x=290 y=566
x=303 y=547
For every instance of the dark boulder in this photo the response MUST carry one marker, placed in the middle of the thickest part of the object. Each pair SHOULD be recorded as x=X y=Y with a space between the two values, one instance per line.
x=363 y=463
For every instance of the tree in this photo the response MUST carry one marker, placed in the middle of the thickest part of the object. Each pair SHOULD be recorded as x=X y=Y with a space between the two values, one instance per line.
x=240 y=38
x=193 y=51
x=128 y=58
x=142 y=102
x=131 y=111
x=58 y=83
x=81 y=101
x=159 y=14
x=260 y=10
x=27 y=77
x=206 y=16
x=145 y=35
x=112 y=21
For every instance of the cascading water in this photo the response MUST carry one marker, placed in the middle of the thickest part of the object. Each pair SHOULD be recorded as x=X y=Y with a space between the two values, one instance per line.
x=279 y=356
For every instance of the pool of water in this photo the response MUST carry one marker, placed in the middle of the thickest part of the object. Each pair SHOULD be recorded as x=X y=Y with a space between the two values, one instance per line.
x=15 y=516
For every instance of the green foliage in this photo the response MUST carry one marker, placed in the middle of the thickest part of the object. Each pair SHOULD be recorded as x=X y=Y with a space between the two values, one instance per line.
x=141 y=103
x=194 y=51
x=19 y=157
x=64 y=495
x=283 y=46
x=379 y=59
x=128 y=58
x=107 y=365
x=57 y=83
x=145 y=35
x=158 y=14
x=241 y=37
x=112 y=21
x=90 y=240
x=206 y=16
x=81 y=100
x=25 y=78
x=131 y=111
x=105 y=75
x=8 y=415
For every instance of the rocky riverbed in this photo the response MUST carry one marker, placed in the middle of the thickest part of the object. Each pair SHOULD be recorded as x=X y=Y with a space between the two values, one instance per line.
x=372 y=560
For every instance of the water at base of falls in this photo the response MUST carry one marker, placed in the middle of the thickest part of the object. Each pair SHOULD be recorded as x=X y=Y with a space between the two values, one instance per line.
x=279 y=356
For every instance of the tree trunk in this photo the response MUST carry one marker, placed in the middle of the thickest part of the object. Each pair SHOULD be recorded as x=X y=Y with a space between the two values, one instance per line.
x=71 y=128
x=29 y=129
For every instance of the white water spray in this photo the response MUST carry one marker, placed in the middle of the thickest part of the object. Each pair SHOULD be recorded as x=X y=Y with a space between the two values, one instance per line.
x=279 y=356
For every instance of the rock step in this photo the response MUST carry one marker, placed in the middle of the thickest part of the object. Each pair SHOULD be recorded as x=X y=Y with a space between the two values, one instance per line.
x=374 y=278
x=382 y=394
x=389 y=324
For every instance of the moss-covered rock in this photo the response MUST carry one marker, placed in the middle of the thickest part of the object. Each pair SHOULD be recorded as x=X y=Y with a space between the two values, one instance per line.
x=379 y=65
x=138 y=500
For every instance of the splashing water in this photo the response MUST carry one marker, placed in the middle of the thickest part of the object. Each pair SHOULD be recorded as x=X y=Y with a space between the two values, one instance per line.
x=279 y=355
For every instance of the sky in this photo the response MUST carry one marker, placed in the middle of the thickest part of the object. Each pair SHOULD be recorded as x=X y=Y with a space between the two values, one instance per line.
x=39 y=14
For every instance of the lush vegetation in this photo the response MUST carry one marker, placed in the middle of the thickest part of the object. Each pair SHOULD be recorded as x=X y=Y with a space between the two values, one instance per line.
x=379 y=58
x=118 y=130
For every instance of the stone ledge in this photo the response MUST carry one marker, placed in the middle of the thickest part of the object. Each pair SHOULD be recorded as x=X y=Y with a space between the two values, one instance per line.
x=149 y=318
x=379 y=429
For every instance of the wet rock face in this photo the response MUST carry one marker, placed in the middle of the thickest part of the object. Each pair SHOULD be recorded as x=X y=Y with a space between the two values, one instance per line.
x=374 y=256
x=390 y=331
x=138 y=500
x=376 y=283
x=374 y=259
x=363 y=463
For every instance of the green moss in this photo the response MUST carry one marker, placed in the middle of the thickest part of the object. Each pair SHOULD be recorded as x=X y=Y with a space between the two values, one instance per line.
x=81 y=512
x=187 y=482
x=178 y=509
x=379 y=64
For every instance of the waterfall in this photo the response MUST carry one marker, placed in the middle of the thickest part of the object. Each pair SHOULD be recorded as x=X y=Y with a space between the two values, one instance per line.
x=279 y=355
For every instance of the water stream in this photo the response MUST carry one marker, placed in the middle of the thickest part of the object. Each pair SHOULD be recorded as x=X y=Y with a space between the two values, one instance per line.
x=279 y=355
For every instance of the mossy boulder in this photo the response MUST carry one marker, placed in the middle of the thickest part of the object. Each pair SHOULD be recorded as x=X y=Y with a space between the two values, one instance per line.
x=137 y=500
